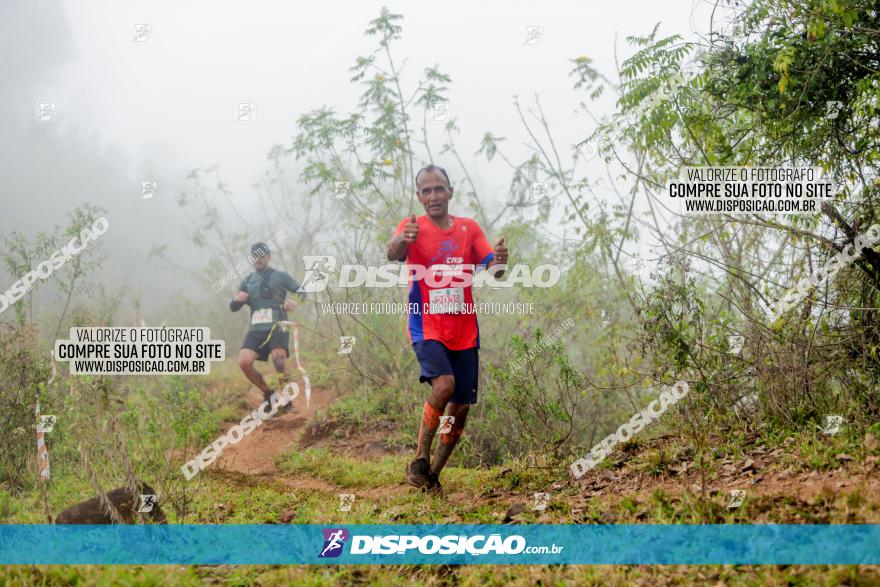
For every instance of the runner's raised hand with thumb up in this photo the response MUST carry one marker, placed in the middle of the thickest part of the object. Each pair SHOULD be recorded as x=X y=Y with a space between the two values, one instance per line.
x=411 y=230
x=500 y=252
x=405 y=235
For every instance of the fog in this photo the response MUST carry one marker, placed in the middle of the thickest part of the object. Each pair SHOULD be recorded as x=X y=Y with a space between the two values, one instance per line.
x=131 y=107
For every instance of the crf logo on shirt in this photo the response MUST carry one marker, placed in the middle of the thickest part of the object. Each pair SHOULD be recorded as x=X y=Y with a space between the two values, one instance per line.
x=446 y=247
x=454 y=260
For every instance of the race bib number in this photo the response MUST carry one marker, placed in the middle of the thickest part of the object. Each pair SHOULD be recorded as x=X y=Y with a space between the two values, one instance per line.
x=263 y=316
x=449 y=300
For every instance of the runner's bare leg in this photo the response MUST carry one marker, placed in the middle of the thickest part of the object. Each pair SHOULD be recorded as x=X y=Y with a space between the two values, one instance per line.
x=450 y=439
x=279 y=361
x=246 y=358
x=442 y=388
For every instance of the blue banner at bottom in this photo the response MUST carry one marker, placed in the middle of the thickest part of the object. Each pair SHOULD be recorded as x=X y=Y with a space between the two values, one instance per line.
x=441 y=544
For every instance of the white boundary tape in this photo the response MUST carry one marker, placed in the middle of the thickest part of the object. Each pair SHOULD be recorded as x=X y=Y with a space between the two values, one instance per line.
x=306 y=383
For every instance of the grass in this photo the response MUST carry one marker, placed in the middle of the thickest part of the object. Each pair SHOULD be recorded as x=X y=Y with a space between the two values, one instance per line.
x=464 y=576
x=311 y=479
x=344 y=472
x=223 y=499
x=227 y=498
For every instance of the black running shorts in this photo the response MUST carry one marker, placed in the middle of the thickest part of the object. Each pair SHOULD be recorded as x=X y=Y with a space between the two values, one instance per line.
x=256 y=341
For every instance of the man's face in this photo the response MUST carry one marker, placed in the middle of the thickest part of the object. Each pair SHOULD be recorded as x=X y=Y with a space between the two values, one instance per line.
x=260 y=263
x=434 y=194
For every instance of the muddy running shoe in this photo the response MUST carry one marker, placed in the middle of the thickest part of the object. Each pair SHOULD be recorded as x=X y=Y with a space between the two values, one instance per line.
x=433 y=483
x=418 y=474
x=285 y=409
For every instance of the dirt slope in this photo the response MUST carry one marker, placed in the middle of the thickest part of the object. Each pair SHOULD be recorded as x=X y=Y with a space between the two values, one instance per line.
x=762 y=472
x=255 y=453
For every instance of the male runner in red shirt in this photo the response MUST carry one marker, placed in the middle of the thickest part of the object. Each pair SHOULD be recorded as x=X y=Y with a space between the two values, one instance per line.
x=445 y=339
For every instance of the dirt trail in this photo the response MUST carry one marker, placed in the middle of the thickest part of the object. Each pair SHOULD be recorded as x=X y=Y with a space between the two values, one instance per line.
x=255 y=454
x=760 y=472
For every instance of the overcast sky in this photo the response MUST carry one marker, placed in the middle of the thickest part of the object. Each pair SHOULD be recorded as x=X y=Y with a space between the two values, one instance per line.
x=131 y=110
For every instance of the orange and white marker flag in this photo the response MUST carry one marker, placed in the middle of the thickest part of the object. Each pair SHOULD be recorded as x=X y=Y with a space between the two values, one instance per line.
x=42 y=451
x=54 y=370
x=295 y=327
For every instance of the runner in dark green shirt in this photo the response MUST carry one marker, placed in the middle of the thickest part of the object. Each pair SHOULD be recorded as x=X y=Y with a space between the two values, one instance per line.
x=265 y=291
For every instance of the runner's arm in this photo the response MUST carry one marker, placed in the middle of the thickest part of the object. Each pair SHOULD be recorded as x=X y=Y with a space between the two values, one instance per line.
x=397 y=248
x=235 y=306
x=292 y=285
x=398 y=243
x=484 y=253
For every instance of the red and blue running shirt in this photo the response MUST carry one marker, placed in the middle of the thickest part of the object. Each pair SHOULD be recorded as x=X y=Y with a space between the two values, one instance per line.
x=462 y=244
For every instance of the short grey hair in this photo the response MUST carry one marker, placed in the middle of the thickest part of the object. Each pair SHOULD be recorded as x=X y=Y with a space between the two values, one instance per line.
x=431 y=168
